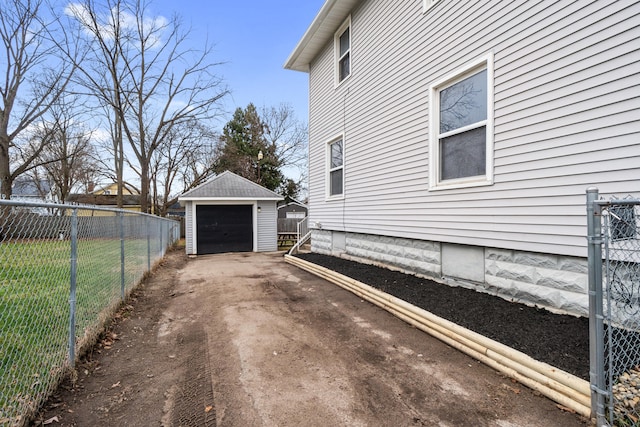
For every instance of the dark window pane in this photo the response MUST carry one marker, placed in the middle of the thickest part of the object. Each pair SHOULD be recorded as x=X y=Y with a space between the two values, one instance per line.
x=344 y=68
x=344 y=42
x=336 y=155
x=464 y=154
x=335 y=182
x=464 y=103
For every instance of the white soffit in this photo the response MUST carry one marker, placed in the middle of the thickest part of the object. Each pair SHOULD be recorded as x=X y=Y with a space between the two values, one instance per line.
x=326 y=23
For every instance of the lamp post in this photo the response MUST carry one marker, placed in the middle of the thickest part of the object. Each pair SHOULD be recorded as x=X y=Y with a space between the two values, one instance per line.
x=260 y=157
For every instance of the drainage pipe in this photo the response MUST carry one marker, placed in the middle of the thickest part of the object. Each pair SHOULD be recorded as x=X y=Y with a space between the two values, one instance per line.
x=564 y=388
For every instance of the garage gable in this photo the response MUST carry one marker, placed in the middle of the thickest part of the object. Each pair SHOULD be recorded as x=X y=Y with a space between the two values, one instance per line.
x=229 y=186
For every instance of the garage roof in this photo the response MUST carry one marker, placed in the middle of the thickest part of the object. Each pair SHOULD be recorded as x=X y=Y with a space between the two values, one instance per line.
x=321 y=30
x=229 y=186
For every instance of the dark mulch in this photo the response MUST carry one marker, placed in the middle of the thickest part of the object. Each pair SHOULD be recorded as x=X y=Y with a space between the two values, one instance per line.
x=559 y=340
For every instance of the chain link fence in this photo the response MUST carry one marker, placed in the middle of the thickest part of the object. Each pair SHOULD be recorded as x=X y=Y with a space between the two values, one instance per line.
x=64 y=270
x=614 y=268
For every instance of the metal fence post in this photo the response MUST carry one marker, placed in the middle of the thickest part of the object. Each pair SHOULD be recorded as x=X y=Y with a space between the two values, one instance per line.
x=161 y=238
x=148 y=223
x=596 y=325
x=72 y=286
x=122 y=278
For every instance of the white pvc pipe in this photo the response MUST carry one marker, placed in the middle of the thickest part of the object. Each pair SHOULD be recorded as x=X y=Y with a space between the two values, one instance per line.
x=554 y=383
x=481 y=347
x=559 y=375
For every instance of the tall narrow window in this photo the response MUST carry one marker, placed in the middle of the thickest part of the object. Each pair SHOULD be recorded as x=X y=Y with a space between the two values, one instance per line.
x=336 y=168
x=461 y=135
x=343 y=51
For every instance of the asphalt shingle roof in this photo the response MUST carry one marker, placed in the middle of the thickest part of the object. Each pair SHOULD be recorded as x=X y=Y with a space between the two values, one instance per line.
x=228 y=185
x=28 y=187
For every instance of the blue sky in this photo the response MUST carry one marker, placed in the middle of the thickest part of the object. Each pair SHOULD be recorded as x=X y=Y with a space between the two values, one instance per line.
x=254 y=39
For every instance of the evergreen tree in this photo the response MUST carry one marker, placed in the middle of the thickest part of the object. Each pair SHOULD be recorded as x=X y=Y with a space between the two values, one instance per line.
x=242 y=141
x=289 y=190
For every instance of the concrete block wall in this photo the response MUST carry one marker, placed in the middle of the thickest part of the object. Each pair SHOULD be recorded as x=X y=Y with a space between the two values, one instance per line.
x=556 y=282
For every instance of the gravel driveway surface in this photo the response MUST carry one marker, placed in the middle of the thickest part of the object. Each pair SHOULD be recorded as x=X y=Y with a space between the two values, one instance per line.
x=248 y=340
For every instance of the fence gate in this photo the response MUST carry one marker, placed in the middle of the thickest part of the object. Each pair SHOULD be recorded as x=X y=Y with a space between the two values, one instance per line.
x=614 y=305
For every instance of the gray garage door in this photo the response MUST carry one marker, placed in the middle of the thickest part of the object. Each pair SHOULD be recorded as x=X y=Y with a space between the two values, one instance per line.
x=224 y=228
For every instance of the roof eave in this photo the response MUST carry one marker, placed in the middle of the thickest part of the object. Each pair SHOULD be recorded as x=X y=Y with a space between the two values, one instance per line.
x=228 y=199
x=319 y=32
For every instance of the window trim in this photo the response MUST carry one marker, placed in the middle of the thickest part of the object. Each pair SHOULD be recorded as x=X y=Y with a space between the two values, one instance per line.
x=329 y=169
x=336 y=51
x=484 y=62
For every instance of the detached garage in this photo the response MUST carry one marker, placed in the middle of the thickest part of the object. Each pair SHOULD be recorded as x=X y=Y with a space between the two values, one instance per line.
x=229 y=213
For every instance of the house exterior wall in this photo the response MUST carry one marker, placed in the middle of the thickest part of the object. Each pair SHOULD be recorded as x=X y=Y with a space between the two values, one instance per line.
x=564 y=91
x=566 y=103
x=267 y=226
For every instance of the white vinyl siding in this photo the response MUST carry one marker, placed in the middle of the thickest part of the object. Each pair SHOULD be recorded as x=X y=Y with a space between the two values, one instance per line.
x=295 y=215
x=267 y=226
x=566 y=105
x=428 y=4
x=188 y=228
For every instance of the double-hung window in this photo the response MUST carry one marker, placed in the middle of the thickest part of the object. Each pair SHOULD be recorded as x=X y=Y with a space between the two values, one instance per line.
x=461 y=128
x=335 y=182
x=342 y=46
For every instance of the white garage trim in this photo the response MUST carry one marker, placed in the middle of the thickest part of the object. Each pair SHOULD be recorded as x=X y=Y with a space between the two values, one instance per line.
x=209 y=202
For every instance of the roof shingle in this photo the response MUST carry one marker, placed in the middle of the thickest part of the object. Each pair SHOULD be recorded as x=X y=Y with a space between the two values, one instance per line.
x=228 y=185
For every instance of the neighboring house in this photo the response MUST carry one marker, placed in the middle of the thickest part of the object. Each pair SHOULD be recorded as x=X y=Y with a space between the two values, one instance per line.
x=106 y=196
x=112 y=189
x=229 y=213
x=456 y=140
x=130 y=202
x=289 y=216
x=175 y=210
x=29 y=189
x=292 y=210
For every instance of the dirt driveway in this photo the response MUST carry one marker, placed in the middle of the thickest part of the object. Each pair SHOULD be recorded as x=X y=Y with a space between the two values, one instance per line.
x=247 y=340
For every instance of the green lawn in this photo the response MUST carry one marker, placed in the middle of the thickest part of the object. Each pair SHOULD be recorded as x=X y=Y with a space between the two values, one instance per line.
x=34 y=309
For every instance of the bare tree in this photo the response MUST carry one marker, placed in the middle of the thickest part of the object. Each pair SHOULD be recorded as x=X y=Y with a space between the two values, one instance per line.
x=33 y=78
x=289 y=138
x=102 y=71
x=157 y=83
x=67 y=157
x=184 y=160
x=287 y=134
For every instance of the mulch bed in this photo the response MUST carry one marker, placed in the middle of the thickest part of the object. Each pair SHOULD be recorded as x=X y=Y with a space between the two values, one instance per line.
x=559 y=340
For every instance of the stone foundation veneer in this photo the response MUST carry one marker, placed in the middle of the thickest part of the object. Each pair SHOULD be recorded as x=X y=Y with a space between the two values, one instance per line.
x=321 y=241
x=553 y=281
x=558 y=283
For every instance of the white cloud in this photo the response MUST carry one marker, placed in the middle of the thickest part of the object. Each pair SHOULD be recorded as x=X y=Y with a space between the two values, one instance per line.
x=153 y=27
